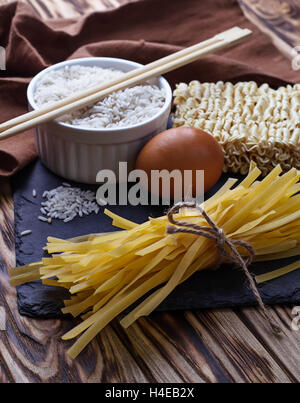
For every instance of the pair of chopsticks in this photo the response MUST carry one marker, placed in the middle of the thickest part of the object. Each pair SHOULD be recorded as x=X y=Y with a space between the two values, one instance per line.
x=94 y=94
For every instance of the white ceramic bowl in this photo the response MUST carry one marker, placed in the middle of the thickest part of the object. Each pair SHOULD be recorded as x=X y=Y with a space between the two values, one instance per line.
x=78 y=153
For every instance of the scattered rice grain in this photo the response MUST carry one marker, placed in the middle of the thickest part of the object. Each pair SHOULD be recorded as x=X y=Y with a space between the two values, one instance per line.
x=26 y=232
x=67 y=202
x=41 y=218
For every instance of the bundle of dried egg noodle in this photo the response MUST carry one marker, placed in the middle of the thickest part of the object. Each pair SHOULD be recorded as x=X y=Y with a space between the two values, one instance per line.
x=107 y=273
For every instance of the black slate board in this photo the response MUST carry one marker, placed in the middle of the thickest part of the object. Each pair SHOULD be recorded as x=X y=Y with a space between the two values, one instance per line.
x=226 y=287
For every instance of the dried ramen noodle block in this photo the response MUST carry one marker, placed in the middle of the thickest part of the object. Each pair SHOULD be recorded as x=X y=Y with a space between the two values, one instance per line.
x=250 y=122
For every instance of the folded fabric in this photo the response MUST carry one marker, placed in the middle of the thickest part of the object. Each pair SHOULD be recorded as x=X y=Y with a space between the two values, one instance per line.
x=142 y=31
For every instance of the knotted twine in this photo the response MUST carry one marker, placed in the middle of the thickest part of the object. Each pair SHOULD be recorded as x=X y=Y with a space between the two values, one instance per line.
x=225 y=246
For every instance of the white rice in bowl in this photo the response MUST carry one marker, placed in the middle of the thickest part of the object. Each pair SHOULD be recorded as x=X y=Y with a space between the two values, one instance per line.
x=120 y=109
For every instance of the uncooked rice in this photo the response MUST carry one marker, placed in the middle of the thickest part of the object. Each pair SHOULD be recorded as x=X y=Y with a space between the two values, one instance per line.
x=42 y=218
x=120 y=109
x=26 y=232
x=67 y=202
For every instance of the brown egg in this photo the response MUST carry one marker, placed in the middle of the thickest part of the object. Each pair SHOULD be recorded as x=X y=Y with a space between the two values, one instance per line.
x=183 y=148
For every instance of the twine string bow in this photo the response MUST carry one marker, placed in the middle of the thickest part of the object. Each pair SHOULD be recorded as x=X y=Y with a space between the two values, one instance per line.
x=226 y=249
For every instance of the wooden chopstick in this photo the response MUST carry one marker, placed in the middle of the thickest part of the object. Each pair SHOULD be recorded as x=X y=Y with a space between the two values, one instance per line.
x=134 y=77
x=95 y=88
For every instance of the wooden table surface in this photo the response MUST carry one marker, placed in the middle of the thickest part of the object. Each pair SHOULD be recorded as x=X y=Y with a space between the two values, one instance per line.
x=223 y=345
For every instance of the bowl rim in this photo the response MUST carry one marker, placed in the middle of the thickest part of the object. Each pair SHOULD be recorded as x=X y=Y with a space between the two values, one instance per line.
x=93 y=130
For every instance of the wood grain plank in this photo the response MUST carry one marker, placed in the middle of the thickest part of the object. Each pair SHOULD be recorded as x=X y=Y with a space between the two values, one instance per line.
x=120 y=364
x=236 y=349
x=286 y=349
x=4 y=377
x=156 y=354
x=150 y=358
x=279 y=19
x=177 y=339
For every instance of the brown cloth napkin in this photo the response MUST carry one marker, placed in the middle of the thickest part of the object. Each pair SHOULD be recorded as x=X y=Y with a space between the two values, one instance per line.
x=142 y=31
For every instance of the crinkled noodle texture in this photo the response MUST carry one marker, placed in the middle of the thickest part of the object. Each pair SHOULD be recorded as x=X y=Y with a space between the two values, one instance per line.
x=250 y=122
